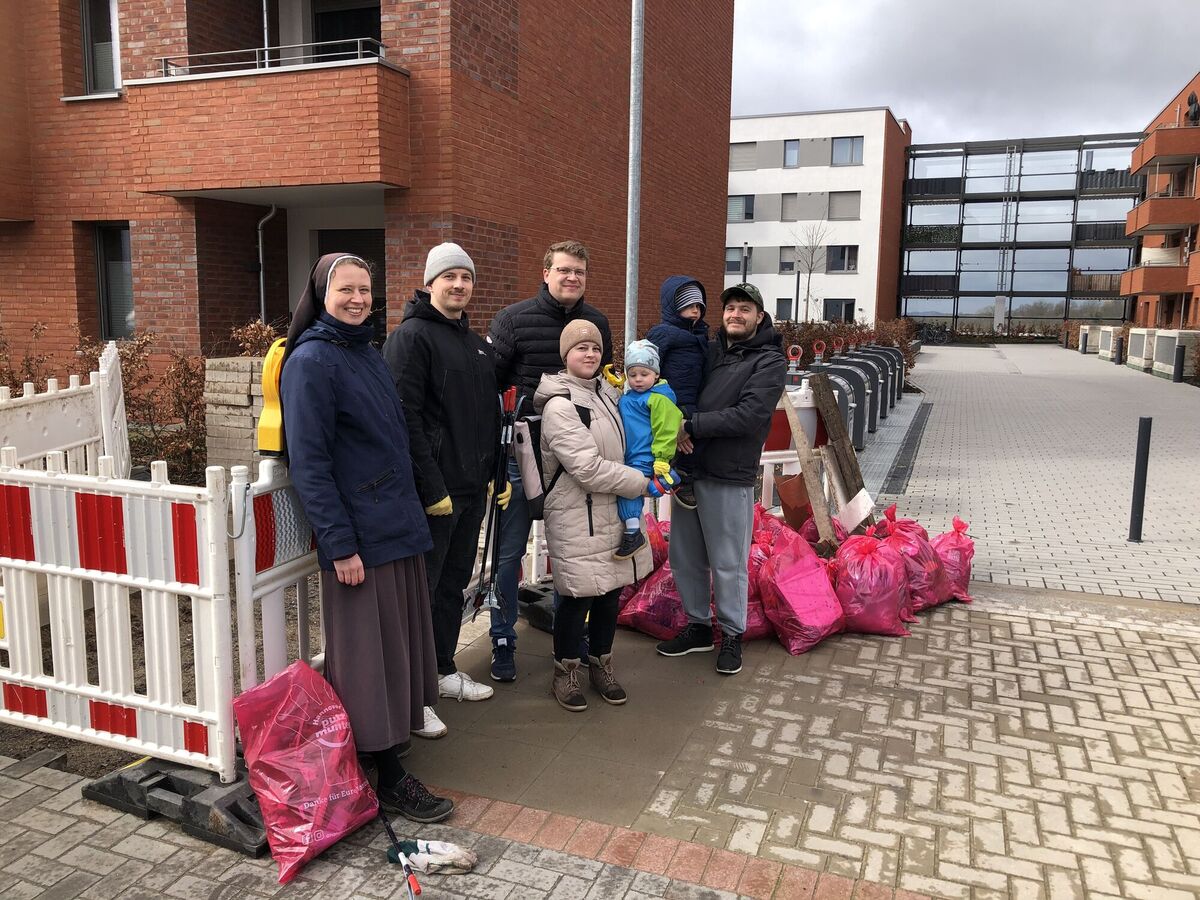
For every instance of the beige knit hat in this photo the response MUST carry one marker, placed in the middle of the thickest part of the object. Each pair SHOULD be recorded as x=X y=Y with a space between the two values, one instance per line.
x=576 y=333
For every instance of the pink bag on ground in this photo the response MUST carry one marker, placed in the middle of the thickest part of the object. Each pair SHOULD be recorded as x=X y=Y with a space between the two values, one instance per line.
x=757 y=625
x=903 y=524
x=797 y=596
x=655 y=608
x=303 y=765
x=657 y=536
x=956 y=550
x=871 y=586
x=766 y=529
x=928 y=585
x=809 y=532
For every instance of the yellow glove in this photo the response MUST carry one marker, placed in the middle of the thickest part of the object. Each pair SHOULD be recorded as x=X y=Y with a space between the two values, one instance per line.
x=505 y=495
x=662 y=467
x=616 y=379
x=442 y=508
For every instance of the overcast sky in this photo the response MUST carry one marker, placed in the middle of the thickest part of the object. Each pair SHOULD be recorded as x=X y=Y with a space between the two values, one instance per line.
x=966 y=69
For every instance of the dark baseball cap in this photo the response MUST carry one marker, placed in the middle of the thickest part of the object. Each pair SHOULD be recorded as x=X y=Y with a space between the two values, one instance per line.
x=743 y=291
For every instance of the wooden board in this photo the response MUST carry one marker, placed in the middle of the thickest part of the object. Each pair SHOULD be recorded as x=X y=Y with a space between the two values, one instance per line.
x=810 y=470
x=841 y=449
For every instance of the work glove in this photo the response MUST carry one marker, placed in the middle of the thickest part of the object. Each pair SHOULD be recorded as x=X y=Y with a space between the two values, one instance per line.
x=438 y=857
x=662 y=467
x=504 y=496
x=616 y=379
x=443 y=507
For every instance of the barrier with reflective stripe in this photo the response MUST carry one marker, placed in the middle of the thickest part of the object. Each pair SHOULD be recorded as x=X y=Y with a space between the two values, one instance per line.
x=112 y=572
x=274 y=552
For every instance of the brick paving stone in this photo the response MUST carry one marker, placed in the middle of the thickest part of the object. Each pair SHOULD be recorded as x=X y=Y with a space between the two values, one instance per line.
x=622 y=847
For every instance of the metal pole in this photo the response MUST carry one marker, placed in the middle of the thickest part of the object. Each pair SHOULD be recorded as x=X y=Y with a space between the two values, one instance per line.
x=1180 y=355
x=745 y=259
x=1119 y=354
x=633 y=227
x=1083 y=336
x=1140 y=464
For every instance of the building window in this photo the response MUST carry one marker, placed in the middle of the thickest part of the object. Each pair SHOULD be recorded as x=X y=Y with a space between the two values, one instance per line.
x=783 y=309
x=99 y=47
x=841 y=258
x=789 y=207
x=743 y=156
x=741 y=208
x=845 y=204
x=733 y=260
x=847 y=151
x=791 y=154
x=114 y=281
x=787 y=260
x=839 y=310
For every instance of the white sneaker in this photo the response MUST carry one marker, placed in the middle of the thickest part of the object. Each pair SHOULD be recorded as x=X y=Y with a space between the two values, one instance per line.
x=433 y=727
x=462 y=686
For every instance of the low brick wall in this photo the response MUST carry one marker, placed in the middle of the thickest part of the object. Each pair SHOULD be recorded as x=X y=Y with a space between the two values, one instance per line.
x=233 y=401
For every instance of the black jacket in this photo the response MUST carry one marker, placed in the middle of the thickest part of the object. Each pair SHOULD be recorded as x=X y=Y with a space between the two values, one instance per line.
x=525 y=338
x=445 y=375
x=737 y=399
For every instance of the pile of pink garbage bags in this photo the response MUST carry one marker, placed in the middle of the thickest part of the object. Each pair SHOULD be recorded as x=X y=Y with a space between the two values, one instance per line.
x=874 y=584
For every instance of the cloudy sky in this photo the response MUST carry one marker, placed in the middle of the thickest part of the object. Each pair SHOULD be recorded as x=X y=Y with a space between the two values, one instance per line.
x=966 y=69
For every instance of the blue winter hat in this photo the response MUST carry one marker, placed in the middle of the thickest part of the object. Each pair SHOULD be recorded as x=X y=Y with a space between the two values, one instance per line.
x=688 y=295
x=644 y=354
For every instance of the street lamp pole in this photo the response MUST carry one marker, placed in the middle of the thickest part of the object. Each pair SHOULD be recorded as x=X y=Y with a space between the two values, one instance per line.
x=633 y=229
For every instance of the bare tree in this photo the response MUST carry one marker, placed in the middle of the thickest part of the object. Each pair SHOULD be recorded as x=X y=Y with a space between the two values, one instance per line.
x=810 y=257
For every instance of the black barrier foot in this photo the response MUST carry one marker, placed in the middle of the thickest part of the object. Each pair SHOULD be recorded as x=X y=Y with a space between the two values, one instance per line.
x=536 y=604
x=223 y=814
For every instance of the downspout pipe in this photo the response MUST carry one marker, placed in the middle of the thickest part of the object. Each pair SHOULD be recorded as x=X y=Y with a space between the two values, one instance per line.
x=262 y=271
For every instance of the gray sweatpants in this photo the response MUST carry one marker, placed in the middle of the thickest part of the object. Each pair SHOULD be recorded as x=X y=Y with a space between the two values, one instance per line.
x=712 y=541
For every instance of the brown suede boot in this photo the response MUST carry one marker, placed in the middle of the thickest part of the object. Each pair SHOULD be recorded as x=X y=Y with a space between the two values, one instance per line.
x=566 y=688
x=604 y=681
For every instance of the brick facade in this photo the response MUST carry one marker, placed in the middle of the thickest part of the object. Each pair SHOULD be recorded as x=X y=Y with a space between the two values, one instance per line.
x=506 y=130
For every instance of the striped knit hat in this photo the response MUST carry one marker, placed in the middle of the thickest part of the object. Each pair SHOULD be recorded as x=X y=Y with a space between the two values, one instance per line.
x=687 y=295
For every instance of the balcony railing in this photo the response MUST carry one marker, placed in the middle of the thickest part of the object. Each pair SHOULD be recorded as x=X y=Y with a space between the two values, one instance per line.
x=932 y=235
x=1100 y=231
x=1162 y=256
x=935 y=187
x=925 y=283
x=1098 y=283
x=270 y=57
x=1109 y=180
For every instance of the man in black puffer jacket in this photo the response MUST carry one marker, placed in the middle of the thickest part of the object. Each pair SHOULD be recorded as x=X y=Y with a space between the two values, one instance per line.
x=524 y=338
x=445 y=375
x=742 y=384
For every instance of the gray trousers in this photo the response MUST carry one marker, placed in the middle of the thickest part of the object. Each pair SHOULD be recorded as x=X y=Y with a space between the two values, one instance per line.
x=710 y=545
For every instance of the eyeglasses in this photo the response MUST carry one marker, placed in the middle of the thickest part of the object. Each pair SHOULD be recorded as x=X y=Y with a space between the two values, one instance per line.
x=565 y=271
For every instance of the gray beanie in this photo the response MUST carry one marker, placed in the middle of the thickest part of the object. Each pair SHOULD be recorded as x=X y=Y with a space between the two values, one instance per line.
x=446 y=256
x=644 y=354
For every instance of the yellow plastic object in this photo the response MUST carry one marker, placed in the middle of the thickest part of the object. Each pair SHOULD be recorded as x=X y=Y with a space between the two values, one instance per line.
x=616 y=379
x=1 y=621
x=270 y=421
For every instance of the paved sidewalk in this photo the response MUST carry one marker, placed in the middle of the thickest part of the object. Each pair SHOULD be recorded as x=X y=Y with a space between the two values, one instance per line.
x=1034 y=446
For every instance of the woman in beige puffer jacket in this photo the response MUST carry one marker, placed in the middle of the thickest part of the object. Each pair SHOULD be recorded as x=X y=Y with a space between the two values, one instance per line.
x=582 y=525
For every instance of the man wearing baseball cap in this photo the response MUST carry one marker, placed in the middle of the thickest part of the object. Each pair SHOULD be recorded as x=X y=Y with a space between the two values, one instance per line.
x=445 y=374
x=742 y=384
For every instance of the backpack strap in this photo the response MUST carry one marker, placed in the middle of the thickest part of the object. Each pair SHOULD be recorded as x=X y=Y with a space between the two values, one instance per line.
x=585 y=416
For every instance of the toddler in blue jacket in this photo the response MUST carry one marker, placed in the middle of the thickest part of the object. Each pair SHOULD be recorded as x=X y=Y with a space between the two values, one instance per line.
x=651 y=420
x=682 y=341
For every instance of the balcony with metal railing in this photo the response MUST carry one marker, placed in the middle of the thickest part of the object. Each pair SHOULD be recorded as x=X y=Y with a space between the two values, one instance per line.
x=1163 y=212
x=1095 y=282
x=1166 y=149
x=260 y=118
x=1161 y=270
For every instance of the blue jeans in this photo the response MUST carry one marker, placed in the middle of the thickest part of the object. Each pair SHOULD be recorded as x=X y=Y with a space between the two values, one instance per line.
x=514 y=540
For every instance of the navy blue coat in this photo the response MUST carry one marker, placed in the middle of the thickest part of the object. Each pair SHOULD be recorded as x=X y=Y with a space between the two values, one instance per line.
x=682 y=345
x=347 y=447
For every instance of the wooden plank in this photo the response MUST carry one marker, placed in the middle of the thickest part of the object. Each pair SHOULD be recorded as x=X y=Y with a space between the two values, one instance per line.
x=839 y=441
x=810 y=470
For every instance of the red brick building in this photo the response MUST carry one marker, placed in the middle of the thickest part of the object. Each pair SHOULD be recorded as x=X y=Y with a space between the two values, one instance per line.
x=135 y=169
x=1166 y=278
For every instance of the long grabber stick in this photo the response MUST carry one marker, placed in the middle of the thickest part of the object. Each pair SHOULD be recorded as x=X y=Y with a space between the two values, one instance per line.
x=485 y=593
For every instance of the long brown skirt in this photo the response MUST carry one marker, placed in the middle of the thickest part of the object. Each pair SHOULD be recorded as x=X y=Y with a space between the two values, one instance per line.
x=379 y=653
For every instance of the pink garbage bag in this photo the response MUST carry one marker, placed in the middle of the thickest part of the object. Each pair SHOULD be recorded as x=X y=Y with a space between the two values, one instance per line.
x=928 y=585
x=797 y=597
x=766 y=529
x=871 y=586
x=903 y=524
x=956 y=550
x=657 y=537
x=757 y=624
x=303 y=765
x=655 y=608
x=809 y=532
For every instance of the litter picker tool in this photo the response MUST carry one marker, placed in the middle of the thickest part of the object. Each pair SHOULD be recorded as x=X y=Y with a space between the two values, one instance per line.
x=485 y=593
x=396 y=856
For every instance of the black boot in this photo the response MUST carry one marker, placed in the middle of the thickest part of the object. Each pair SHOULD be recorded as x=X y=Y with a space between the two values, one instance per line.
x=631 y=542
x=412 y=800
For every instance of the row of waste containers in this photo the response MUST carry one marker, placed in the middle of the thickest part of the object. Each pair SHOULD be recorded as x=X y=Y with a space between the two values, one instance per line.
x=868 y=381
x=1167 y=353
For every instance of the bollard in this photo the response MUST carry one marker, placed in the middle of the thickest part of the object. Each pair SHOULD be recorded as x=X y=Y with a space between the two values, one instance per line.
x=1177 y=372
x=1141 y=463
x=1119 y=352
x=1083 y=336
x=1066 y=339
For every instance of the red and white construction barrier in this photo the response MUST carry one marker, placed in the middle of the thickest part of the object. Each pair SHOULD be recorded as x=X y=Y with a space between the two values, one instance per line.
x=273 y=550
x=78 y=556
